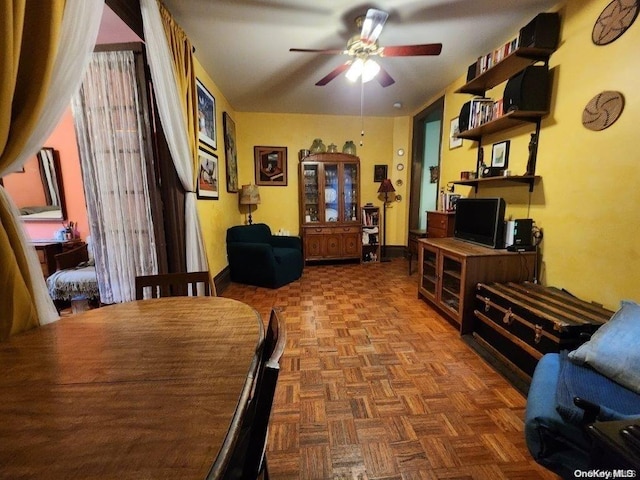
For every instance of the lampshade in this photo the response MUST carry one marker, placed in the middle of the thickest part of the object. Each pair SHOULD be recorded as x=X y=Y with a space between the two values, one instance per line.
x=249 y=195
x=368 y=69
x=386 y=186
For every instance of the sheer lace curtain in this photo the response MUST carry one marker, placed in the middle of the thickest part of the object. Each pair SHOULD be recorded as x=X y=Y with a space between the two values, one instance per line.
x=174 y=123
x=109 y=126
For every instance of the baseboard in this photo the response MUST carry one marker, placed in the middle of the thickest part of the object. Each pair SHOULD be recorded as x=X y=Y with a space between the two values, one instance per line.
x=222 y=280
x=394 y=251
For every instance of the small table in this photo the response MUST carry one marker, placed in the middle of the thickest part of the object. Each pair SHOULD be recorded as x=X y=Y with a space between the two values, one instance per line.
x=414 y=235
x=146 y=389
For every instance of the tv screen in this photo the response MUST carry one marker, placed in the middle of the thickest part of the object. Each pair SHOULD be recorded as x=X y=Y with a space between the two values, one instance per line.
x=481 y=221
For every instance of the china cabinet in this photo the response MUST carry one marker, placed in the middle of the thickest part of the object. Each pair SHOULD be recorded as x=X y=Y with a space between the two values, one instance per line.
x=330 y=223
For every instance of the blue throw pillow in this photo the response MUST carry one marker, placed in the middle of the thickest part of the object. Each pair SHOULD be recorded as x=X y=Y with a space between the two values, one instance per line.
x=614 y=349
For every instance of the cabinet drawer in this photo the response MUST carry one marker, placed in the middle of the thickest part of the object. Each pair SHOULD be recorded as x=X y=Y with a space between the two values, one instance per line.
x=440 y=224
x=318 y=231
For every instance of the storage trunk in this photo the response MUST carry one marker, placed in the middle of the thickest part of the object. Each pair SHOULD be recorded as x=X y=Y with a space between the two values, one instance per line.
x=520 y=322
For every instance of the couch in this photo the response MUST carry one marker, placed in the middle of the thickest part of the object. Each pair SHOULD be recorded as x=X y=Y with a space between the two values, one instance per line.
x=256 y=257
x=600 y=380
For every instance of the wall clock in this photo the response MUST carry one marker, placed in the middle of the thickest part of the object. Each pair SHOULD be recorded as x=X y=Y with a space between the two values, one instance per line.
x=400 y=166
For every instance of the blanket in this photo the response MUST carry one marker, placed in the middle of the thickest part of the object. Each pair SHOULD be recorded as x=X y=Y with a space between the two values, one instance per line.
x=616 y=402
x=72 y=282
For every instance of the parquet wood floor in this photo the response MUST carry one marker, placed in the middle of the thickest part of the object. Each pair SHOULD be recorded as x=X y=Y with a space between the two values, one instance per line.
x=376 y=385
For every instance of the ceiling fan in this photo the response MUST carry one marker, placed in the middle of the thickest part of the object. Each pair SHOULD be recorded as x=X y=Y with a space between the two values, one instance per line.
x=363 y=46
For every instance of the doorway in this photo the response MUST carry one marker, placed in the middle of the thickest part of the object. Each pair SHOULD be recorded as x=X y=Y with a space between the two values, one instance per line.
x=425 y=165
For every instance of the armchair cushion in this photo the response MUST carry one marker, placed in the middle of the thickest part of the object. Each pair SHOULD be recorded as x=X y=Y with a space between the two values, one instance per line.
x=258 y=258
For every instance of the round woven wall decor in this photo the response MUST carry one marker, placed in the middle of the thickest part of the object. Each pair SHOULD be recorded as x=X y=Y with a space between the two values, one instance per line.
x=602 y=110
x=614 y=20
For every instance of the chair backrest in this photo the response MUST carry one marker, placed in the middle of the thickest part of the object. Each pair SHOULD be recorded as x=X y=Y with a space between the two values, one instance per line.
x=256 y=233
x=173 y=284
x=71 y=258
x=249 y=458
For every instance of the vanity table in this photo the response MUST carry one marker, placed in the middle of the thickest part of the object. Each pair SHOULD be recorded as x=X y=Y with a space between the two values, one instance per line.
x=47 y=249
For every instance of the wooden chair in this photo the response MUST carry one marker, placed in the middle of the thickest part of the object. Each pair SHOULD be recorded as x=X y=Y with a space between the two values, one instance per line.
x=173 y=284
x=249 y=459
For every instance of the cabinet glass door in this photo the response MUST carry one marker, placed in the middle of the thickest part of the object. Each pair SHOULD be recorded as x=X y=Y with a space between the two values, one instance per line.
x=451 y=286
x=311 y=198
x=429 y=272
x=351 y=212
x=331 y=193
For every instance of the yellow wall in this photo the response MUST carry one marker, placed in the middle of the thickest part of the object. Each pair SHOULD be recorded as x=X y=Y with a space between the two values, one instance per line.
x=279 y=207
x=217 y=215
x=587 y=201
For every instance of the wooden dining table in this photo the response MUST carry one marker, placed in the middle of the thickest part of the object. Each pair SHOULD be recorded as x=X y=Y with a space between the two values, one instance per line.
x=148 y=389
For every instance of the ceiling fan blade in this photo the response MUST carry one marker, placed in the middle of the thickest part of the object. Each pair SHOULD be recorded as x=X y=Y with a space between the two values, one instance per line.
x=333 y=74
x=384 y=78
x=372 y=25
x=411 y=50
x=334 y=51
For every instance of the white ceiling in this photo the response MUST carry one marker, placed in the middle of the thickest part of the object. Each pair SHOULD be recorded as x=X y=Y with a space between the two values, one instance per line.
x=244 y=46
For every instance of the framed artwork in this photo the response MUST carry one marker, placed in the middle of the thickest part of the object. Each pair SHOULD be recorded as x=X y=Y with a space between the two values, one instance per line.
x=208 y=178
x=231 y=153
x=270 y=165
x=206 y=116
x=379 y=173
x=454 y=130
x=500 y=154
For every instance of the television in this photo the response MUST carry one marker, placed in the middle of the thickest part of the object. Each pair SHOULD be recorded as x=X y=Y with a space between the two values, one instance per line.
x=481 y=221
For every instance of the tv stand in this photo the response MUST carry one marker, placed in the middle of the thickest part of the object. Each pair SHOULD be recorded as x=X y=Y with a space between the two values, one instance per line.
x=451 y=268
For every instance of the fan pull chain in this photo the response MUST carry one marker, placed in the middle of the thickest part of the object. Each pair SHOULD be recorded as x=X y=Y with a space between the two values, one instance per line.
x=361 y=112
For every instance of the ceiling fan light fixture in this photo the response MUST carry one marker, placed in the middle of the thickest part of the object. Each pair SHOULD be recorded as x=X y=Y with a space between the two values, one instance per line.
x=369 y=70
x=355 y=70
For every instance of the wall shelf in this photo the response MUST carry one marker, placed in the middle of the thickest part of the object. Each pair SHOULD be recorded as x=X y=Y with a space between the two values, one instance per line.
x=497 y=181
x=505 y=69
x=509 y=120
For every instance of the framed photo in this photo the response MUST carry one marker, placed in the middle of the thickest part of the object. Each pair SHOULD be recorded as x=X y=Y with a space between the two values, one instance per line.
x=208 y=178
x=206 y=116
x=500 y=154
x=270 y=165
x=231 y=153
x=379 y=173
x=454 y=130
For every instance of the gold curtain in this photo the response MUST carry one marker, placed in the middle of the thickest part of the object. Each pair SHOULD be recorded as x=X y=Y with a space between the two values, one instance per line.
x=182 y=56
x=29 y=36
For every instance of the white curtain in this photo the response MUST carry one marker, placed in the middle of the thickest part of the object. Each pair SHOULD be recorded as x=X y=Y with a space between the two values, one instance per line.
x=109 y=122
x=79 y=31
x=175 y=129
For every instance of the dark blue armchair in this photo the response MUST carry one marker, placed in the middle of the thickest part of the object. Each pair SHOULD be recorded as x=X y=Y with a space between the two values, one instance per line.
x=256 y=257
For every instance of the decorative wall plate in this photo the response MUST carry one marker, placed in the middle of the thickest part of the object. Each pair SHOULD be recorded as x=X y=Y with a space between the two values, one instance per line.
x=399 y=182
x=400 y=166
x=614 y=20
x=603 y=110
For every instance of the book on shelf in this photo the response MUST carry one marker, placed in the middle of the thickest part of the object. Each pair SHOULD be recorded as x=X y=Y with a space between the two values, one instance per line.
x=487 y=61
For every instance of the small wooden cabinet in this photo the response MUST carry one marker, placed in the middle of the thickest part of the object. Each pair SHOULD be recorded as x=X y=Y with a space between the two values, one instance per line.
x=330 y=223
x=451 y=268
x=440 y=224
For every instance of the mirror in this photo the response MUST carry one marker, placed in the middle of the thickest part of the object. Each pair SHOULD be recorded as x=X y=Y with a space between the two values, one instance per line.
x=36 y=189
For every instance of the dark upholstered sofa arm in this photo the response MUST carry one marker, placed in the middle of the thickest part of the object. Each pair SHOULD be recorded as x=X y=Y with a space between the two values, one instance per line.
x=286 y=242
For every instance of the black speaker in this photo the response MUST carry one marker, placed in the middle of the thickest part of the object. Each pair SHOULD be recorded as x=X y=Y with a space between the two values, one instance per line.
x=541 y=32
x=471 y=71
x=528 y=91
x=463 y=119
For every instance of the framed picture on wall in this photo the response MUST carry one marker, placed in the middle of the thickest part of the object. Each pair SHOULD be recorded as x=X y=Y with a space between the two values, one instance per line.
x=208 y=177
x=231 y=153
x=379 y=173
x=206 y=116
x=454 y=130
x=270 y=165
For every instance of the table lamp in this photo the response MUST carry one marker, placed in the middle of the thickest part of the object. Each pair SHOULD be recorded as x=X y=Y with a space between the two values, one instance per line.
x=386 y=187
x=249 y=195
